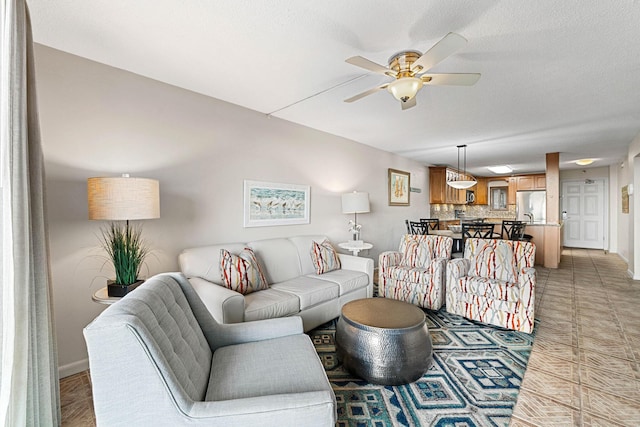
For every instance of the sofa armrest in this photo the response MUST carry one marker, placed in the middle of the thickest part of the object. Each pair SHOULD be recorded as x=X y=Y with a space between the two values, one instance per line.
x=225 y=305
x=259 y=330
x=356 y=263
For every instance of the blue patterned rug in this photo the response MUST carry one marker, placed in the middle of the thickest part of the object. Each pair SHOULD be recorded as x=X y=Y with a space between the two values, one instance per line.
x=474 y=379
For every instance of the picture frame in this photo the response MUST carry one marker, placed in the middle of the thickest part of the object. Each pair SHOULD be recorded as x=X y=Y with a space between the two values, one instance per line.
x=272 y=204
x=399 y=186
x=625 y=199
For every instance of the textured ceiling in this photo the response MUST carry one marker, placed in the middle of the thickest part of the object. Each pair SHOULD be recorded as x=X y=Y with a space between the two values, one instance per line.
x=556 y=75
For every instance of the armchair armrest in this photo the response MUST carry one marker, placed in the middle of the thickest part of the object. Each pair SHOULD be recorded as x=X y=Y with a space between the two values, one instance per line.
x=225 y=305
x=259 y=330
x=388 y=259
x=456 y=268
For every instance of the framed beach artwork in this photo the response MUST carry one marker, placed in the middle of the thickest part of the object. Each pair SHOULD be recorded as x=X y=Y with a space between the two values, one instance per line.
x=399 y=185
x=269 y=204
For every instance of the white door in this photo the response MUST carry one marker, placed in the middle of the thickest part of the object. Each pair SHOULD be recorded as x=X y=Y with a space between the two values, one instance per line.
x=583 y=207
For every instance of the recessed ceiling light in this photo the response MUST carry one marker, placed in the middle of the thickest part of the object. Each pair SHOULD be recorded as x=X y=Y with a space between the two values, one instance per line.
x=500 y=169
x=584 y=162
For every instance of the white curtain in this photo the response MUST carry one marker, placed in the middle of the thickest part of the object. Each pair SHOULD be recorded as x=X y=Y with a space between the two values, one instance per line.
x=29 y=390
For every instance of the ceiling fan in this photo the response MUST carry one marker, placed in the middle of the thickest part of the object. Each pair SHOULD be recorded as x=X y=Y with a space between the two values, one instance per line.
x=409 y=69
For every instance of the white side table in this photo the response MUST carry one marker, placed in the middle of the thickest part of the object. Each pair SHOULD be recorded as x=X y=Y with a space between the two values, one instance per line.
x=355 y=248
x=101 y=296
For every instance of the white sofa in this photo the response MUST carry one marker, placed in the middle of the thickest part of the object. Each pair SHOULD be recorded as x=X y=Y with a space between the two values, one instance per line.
x=294 y=286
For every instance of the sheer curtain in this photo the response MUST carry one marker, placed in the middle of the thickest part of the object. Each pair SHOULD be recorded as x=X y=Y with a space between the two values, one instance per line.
x=29 y=391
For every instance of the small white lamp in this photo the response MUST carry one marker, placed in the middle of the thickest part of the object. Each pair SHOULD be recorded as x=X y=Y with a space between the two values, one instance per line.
x=355 y=203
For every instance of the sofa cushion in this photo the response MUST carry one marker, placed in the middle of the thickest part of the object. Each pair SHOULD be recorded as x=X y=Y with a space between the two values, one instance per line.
x=310 y=291
x=347 y=280
x=303 y=244
x=423 y=276
x=324 y=257
x=242 y=272
x=269 y=304
x=279 y=258
x=256 y=369
x=488 y=288
x=494 y=261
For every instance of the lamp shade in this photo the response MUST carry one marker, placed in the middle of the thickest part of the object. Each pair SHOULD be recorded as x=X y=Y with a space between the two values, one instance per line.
x=123 y=198
x=356 y=202
x=405 y=88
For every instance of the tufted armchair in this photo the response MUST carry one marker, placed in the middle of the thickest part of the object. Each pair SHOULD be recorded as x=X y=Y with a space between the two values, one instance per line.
x=158 y=358
x=415 y=274
x=494 y=283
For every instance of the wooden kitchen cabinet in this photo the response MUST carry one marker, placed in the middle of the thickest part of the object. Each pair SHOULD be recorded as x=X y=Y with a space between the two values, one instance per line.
x=513 y=187
x=531 y=182
x=437 y=184
x=482 y=195
x=440 y=192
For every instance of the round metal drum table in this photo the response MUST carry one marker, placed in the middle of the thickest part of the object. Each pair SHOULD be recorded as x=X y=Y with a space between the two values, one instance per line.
x=384 y=341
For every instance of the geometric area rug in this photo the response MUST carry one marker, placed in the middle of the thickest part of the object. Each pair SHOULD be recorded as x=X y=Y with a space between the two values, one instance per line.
x=474 y=379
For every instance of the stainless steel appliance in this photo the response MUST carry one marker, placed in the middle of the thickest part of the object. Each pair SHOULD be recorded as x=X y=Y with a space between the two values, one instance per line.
x=471 y=196
x=531 y=206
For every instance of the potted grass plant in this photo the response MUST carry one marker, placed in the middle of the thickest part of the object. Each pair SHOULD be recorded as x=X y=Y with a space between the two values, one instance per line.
x=127 y=251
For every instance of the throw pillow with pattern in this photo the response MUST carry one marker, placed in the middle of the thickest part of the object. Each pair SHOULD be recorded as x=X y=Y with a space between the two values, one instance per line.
x=242 y=272
x=324 y=257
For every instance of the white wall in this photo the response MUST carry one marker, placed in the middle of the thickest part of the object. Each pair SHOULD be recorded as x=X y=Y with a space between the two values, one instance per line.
x=628 y=172
x=97 y=121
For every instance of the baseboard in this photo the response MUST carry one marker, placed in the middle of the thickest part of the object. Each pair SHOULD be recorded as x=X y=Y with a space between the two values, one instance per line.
x=73 y=368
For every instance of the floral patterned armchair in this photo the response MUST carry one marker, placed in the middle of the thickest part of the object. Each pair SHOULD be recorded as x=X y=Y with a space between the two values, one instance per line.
x=494 y=283
x=415 y=274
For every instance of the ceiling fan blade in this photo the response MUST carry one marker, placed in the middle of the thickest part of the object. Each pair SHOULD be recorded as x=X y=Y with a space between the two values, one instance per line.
x=457 y=79
x=445 y=47
x=366 y=93
x=361 y=62
x=409 y=104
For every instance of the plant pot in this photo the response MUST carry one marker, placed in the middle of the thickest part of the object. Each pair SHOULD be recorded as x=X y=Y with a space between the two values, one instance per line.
x=118 y=290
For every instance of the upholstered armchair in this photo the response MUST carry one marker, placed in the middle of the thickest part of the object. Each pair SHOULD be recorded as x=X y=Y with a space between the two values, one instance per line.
x=415 y=274
x=494 y=283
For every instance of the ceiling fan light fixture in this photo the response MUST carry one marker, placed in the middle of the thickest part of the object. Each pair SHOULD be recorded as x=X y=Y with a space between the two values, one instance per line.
x=405 y=88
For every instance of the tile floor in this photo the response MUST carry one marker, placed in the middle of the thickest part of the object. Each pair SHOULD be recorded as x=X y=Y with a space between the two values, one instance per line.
x=584 y=369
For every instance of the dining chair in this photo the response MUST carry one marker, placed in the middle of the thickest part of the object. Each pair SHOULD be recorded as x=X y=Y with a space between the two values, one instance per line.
x=432 y=223
x=479 y=230
x=416 y=227
x=512 y=230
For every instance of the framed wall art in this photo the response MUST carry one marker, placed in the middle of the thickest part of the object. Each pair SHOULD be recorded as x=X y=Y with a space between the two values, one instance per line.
x=270 y=204
x=399 y=185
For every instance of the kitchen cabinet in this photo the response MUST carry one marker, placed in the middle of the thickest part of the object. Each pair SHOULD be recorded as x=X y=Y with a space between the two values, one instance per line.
x=481 y=192
x=531 y=182
x=511 y=192
x=440 y=192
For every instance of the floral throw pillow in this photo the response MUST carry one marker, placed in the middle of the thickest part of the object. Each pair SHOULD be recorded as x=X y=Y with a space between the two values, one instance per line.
x=242 y=272
x=324 y=257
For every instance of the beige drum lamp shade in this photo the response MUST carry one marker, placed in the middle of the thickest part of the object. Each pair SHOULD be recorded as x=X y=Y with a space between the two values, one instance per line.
x=355 y=202
x=123 y=198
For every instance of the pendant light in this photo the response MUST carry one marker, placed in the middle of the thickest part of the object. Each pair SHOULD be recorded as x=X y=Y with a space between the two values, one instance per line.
x=462 y=184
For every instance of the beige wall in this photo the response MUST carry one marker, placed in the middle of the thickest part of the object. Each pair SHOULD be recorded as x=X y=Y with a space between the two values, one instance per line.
x=97 y=121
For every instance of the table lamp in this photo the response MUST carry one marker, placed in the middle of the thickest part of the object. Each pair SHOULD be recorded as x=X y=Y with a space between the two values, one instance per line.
x=355 y=203
x=123 y=199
